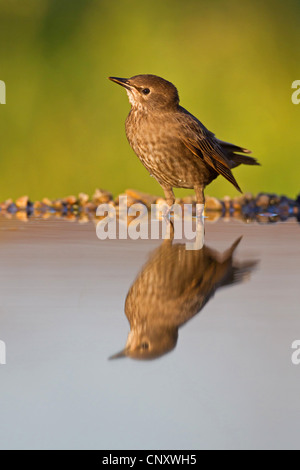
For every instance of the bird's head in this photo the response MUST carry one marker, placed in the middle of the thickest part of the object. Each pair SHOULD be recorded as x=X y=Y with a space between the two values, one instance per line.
x=149 y=92
x=149 y=344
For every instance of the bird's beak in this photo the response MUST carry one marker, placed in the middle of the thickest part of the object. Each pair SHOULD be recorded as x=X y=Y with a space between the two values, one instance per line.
x=120 y=81
x=119 y=355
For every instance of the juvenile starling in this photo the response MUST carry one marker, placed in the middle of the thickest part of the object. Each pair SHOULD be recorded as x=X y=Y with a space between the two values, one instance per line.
x=172 y=144
x=173 y=286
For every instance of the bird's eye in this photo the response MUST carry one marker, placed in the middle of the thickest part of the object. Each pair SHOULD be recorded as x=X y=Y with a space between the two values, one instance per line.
x=145 y=345
x=146 y=91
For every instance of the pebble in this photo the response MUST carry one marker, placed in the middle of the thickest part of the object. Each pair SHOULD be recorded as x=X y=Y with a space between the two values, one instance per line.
x=46 y=202
x=227 y=203
x=248 y=197
x=90 y=207
x=189 y=200
x=22 y=202
x=212 y=216
x=101 y=197
x=145 y=198
x=263 y=201
x=130 y=200
x=6 y=204
x=71 y=200
x=213 y=204
x=57 y=205
x=22 y=215
x=237 y=203
x=264 y=208
x=12 y=208
x=37 y=205
x=83 y=198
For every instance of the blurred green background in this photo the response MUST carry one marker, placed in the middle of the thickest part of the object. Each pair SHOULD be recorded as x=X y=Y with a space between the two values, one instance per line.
x=62 y=129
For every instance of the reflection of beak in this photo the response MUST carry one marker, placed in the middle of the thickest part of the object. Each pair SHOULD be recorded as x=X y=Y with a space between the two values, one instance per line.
x=120 y=81
x=119 y=355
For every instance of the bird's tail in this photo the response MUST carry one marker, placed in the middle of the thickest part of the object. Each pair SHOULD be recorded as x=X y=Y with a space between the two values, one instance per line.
x=235 y=158
x=242 y=159
x=232 y=148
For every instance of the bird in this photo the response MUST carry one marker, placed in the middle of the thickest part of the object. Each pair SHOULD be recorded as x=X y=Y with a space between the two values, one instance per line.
x=173 y=145
x=173 y=286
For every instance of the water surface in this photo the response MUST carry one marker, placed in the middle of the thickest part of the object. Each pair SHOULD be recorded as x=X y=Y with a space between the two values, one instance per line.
x=227 y=381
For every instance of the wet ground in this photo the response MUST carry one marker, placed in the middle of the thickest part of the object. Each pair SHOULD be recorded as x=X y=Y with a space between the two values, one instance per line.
x=222 y=378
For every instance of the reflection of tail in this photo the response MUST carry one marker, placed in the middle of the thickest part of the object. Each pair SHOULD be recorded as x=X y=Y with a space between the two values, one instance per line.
x=228 y=253
x=234 y=272
x=240 y=272
x=225 y=257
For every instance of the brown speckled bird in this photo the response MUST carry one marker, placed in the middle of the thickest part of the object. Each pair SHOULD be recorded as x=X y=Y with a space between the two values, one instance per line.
x=173 y=286
x=172 y=144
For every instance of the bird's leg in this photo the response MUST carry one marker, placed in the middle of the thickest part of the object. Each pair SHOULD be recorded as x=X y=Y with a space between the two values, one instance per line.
x=170 y=200
x=199 y=190
x=200 y=198
x=169 y=195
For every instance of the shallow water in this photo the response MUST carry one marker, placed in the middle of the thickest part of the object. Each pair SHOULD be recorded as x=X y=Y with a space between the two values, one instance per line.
x=229 y=382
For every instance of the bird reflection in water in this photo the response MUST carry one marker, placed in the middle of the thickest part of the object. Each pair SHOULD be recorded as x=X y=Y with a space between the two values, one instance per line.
x=173 y=286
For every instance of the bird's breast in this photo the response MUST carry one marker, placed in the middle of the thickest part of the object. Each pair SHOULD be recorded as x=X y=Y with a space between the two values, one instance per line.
x=155 y=141
x=147 y=137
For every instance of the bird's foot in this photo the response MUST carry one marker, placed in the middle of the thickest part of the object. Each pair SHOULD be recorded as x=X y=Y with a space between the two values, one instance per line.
x=166 y=211
x=200 y=211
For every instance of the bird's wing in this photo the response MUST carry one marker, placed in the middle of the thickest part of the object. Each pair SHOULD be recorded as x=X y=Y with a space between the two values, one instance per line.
x=203 y=144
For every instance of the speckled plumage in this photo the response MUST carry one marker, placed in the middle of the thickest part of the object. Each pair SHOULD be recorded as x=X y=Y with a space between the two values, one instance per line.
x=173 y=145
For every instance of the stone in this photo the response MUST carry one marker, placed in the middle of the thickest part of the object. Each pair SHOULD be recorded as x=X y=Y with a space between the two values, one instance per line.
x=263 y=201
x=213 y=204
x=178 y=201
x=83 y=198
x=6 y=204
x=212 y=216
x=145 y=198
x=237 y=203
x=22 y=215
x=248 y=197
x=189 y=199
x=22 y=202
x=90 y=207
x=12 y=208
x=83 y=219
x=227 y=203
x=161 y=202
x=102 y=197
x=70 y=217
x=274 y=199
x=47 y=202
x=284 y=210
x=130 y=200
x=71 y=200
x=37 y=205
x=262 y=218
x=58 y=205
